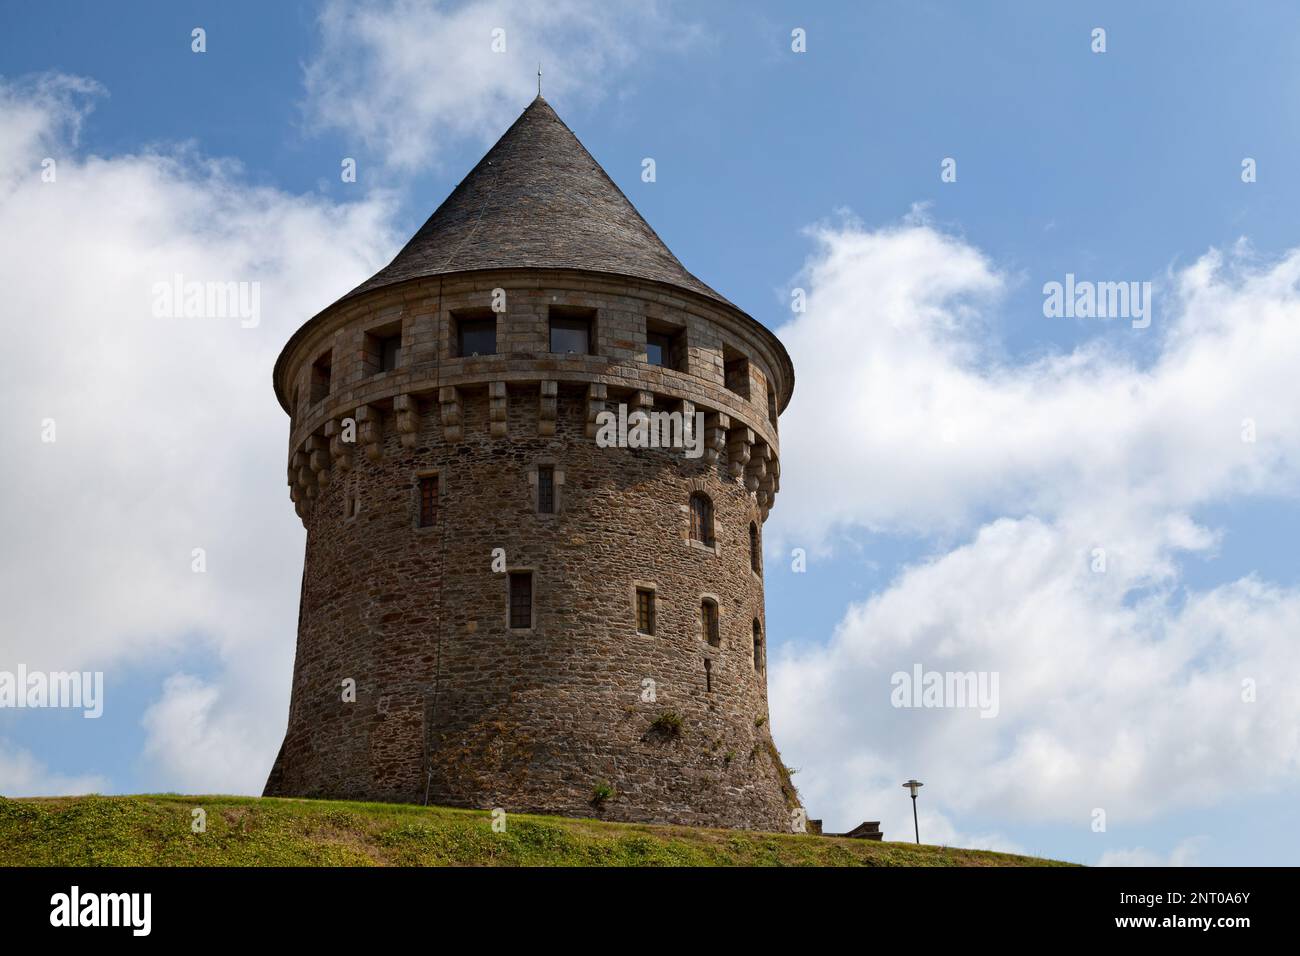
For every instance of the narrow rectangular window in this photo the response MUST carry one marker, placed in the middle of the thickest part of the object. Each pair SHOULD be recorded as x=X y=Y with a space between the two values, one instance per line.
x=545 y=489
x=702 y=519
x=428 y=500
x=645 y=610
x=521 y=599
x=708 y=676
x=709 y=622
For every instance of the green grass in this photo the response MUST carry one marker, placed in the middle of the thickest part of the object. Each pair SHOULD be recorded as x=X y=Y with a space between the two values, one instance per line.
x=155 y=830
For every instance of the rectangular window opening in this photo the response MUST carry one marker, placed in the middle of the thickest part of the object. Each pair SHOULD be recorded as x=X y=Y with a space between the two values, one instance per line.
x=428 y=501
x=572 y=330
x=736 y=372
x=382 y=348
x=665 y=346
x=708 y=676
x=388 y=352
x=320 y=377
x=709 y=623
x=476 y=332
x=645 y=611
x=521 y=599
x=546 y=489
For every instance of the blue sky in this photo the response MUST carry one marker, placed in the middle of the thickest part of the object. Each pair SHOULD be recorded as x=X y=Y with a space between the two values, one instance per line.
x=774 y=170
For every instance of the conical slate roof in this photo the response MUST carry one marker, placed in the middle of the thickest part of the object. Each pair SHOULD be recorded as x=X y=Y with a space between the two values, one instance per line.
x=537 y=200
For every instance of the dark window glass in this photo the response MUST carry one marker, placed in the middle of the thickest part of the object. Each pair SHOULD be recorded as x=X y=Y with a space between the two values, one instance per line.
x=477 y=336
x=645 y=610
x=570 y=334
x=388 y=352
x=755 y=552
x=758 y=646
x=709 y=622
x=702 y=518
x=428 y=500
x=659 y=349
x=545 y=489
x=521 y=599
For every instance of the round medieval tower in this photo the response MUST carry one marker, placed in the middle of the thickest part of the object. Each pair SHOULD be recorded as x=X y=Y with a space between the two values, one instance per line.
x=505 y=601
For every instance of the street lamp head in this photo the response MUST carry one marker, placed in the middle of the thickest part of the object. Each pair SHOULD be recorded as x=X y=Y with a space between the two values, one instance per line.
x=914 y=785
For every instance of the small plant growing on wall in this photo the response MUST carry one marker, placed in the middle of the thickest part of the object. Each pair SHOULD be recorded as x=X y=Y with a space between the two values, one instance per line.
x=668 y=724
x=602 y=792
x=759 y=721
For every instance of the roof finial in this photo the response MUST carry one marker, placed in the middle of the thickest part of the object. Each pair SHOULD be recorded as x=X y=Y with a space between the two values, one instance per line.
x=539 y=79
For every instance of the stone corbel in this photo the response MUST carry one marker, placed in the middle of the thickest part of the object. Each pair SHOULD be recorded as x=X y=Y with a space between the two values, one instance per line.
x=305 y=479
x=318 y=459
x=716 y=426
x=498 y=405
x=370 y=432
x=756 y=470
x=547 y=410
x=740 y=445
x=453 y=413
x=408 y=419
x=340 y=451
x=596 y=396
x=686 y=409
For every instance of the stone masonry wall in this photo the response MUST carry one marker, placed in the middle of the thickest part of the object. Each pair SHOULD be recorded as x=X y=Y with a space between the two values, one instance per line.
x=453 y=704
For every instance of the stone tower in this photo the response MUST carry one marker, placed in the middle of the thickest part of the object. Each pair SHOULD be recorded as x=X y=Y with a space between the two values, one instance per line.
x=532 y=619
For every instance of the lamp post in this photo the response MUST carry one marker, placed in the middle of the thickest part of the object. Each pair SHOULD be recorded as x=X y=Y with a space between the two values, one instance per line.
x=915 y=785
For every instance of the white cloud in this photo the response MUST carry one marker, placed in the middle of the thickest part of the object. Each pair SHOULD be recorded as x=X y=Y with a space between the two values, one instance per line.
x=169 y=437
x=902 y=385
x=1119 y=690
x=204 y=747
x=406 y=76
x=23 y=775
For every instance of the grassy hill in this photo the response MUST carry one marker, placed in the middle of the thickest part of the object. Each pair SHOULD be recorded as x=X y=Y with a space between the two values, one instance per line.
x=155 y=830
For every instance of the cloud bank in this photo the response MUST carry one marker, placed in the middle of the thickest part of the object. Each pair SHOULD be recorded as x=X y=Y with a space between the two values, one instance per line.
x=167 y=436
x=1060 y=493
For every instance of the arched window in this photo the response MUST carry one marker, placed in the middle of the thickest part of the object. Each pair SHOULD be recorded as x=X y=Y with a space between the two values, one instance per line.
x=758 y=645
x=709 y=622
x=702 y=518
x=755 y=552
